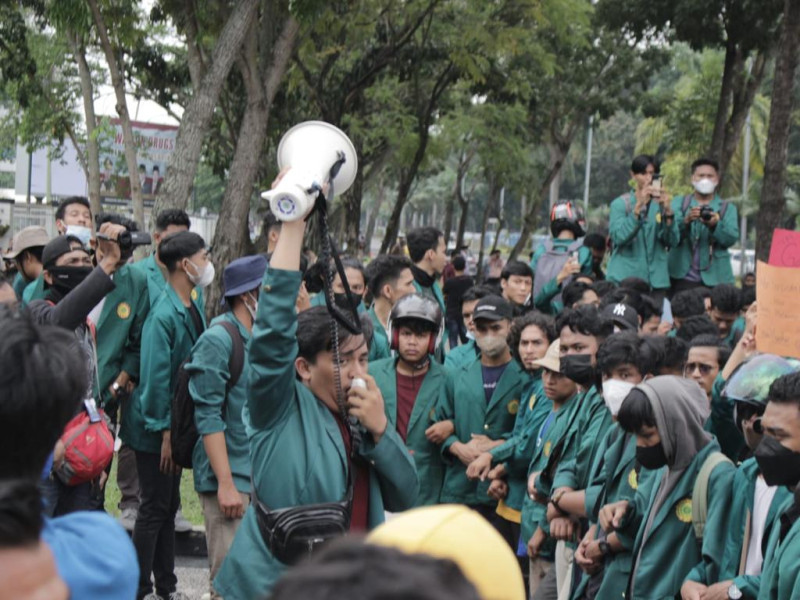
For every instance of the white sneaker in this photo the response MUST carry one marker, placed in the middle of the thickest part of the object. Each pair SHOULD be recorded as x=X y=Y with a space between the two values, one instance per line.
x=181 y=524
x=178 y=596
x=152 y=596
x=128 y=518
x=206 y=596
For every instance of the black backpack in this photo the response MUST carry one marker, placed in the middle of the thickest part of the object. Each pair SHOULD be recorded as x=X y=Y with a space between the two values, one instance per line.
x=184 y=436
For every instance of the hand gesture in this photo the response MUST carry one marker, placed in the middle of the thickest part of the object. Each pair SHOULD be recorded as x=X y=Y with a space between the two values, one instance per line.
x=691 y=590
x=692 y=215
x=464 y=452
x=439 y=432
x=480 y=467
x=562 y=528
x=535 y=543
x=230 y=501
x=571 y=267
x=109 y=246
x=498 y=489
x=611 y=515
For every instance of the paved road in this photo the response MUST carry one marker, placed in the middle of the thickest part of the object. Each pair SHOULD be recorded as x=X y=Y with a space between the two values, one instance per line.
x=192 y=576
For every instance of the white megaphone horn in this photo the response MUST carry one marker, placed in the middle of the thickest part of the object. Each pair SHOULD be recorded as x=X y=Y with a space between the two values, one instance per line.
x=310 y=150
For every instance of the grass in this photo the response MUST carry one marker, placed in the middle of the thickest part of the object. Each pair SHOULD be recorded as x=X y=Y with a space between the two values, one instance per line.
x=190 y=503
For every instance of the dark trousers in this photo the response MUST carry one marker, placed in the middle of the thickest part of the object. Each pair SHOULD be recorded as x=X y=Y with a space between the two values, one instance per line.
x=127 y=479
x=457 y=332
x=62 y=499
x=154 y=533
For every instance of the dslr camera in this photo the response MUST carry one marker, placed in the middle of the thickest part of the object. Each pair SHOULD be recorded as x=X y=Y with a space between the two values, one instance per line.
x=128 y=240
x=706 y=213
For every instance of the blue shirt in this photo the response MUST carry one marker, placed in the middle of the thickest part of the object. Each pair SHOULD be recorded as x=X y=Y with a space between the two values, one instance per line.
x=491 y=375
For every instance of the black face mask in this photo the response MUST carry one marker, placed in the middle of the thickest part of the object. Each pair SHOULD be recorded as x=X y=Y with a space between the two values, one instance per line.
x=343 y=301
x=651 y=458
x=578 y=368
x=66 y=279
x=778 y=464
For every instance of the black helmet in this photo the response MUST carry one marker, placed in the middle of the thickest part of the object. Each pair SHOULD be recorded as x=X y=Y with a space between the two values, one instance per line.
x=565 y=215
x=418 y=308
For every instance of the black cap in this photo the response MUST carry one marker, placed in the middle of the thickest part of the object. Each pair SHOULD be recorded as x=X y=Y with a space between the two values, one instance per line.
x=58 y=246
x=492 y=308
x=623 y=315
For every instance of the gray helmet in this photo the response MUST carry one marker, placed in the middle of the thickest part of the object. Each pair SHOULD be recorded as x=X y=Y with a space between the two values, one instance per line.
x=419 y=308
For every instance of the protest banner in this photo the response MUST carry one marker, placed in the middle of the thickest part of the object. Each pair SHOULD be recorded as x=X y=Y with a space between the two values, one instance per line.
x=785 y=249
x=778 y=329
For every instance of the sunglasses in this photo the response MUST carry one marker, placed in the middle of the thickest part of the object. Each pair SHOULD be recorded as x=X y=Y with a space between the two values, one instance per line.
x=691 y=367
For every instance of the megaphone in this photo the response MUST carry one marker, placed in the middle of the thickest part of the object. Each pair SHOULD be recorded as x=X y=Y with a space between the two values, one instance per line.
x=310 y=150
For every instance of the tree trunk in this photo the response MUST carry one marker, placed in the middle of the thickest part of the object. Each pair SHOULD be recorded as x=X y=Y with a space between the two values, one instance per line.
x=491 y=202
x=118 y=83
x=197 y=117
x=232 y=235
x=92 y=147
x=373 y=216
x=773 y=200
x=351 y=205
x=733 y=63
x=462 y=222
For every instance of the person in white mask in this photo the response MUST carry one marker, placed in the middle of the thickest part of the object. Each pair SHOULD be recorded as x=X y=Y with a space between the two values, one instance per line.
x=623 y=361
x=708 y=226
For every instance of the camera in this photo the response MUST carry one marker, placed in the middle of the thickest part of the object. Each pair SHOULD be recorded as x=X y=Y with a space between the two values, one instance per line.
x=128 y=240
x=706 y=213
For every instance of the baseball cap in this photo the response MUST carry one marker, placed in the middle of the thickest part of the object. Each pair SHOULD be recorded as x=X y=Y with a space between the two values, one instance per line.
x=492 y=308
x=30 y=237
x=59 y=246
x=623 y=315
x=552 y=358
x=457 y=533
x=244 y=274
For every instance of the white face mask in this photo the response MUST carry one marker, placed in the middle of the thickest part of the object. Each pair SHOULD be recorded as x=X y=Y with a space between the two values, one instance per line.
x=470 y=335
x=492 y=345
x=252 y=309
x=614 y=392
x=705 y=186
x=204 y=277
x=84 y=234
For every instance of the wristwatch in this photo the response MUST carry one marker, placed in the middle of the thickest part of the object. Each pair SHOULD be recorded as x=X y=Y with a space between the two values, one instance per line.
x=116 y=387
x=605 y=549
x=734 y=593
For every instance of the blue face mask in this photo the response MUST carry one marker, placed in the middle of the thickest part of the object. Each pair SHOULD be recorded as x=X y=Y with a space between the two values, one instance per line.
x=84 y=234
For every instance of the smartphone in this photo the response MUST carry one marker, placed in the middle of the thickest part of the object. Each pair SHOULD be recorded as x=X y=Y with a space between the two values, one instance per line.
x=655 y=184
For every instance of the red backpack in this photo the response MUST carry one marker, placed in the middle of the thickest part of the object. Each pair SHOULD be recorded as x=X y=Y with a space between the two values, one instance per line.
x=88 y=446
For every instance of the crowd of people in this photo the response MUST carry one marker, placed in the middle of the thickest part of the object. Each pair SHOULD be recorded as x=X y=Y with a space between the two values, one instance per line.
x=595 y=423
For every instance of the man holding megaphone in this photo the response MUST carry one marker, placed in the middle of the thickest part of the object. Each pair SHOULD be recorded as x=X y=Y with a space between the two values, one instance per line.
x=324 y=461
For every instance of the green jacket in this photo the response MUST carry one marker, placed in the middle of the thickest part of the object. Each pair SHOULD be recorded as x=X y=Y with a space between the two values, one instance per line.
x=640 y=246
x=465 y=405
x=19 y=285
x=672 y=534
x=742 y=501
x=156 y=282
x=780 y=577
x=119 y=331
x=380 y=342
x=216 y=410
x=461 y=355
x=518 y=449
x=717 y=269
x=167 y=341
x=544 y=300
x=547 y=439
x=427 y=458
x=721 y=424
x=34 y=291
x=296 y=448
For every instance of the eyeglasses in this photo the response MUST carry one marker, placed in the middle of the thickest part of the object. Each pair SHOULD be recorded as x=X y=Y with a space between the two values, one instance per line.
x=690 y=368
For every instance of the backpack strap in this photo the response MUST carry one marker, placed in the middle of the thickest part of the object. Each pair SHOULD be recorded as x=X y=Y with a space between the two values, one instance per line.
x=687 y=200
x=548 y=245
x=700 y=492
x=236 y=362
x=628 y=203
x=723 y=209
x=575 y=246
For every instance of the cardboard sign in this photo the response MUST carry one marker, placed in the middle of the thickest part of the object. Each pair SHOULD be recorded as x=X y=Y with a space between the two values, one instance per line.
x=778 y=327
x=785 y=249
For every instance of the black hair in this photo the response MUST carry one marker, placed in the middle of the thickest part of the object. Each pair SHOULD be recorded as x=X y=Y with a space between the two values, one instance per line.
x=624 y=296
x=697 y=325
x=172 y=216
x=636 y=284
x=43 y=378
x=636 y=412
x=603 y=287
x=174 y=248
x=595 y=241
x=459 y=262
x=785 y=389
x=650 y=308
x=748 y=274
x=386 y=268
x=62 y=208
x=712 y=341
x=702 y=162
x=586 y=320
x=116 y=219
x=314 y=332
x=477 y=292
x=34 y=251
x=349 y=262
x=675 y=351
x=573 y=292
x=640 y=163
x=516 y=267
x=270 y=222
x=559 y=225
x=416 y=325
x=726 y=298
x=544 y=322
x=748 y=296
x=687 y=303
x=624 y=348
x=20 y=513
x=421 y=240
x=348 y=568
x=653 y=349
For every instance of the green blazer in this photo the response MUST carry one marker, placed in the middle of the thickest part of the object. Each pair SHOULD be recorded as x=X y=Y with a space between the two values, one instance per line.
x=209 y=369
x=427 y=458
x=167 y=341
x=380 y=342
x=780 y=577
x=672 y=533
x=640 y=246
x=716 y=269
x=461 y=355
x=465 y=405
x=742 y=502
x=721 y=424
x=156 y=282
x=119 y=331
x=296 y=448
